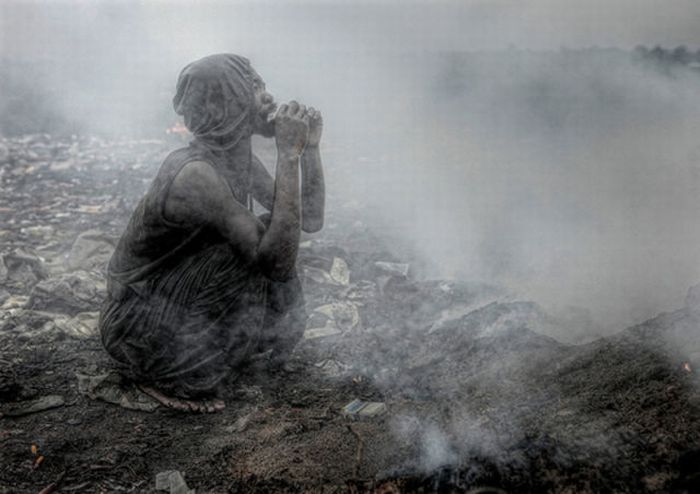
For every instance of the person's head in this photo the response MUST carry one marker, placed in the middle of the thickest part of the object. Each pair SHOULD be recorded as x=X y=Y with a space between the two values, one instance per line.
x=223 y=100
x=265 y=107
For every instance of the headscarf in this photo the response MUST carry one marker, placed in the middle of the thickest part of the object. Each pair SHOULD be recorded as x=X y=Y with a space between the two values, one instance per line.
x=216 y=97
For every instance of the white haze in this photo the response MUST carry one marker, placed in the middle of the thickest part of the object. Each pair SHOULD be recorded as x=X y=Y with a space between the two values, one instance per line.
x=571 y=179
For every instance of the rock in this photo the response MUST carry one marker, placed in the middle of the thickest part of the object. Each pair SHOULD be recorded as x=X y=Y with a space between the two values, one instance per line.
x=91 y=251
x=71 y=293
x=110 y=387
x=23 y=268
x=39 y=405
x=172 y=482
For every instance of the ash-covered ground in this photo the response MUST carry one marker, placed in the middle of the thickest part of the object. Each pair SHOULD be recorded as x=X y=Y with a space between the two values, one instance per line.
x=475 y=397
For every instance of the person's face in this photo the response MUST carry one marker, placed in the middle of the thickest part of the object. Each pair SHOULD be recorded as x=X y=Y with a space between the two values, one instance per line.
x=264 y=109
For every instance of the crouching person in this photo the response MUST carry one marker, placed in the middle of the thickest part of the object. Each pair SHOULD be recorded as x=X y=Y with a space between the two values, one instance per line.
x=197 y=282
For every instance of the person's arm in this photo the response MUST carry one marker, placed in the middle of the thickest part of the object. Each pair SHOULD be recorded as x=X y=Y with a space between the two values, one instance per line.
x=263 y=185
x=313 y=190
x=198 y=196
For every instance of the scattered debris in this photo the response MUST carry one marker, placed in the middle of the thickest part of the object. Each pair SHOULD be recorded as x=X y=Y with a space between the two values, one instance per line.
x=332 y=368
x=173 y=482
x=82 y=325
x=33 y=406
x=364 y=409
x=14 y=302
x=331 y=319
x=312 y=334
x=112 y=388
x=23 y=269
x=91 y=251
x=340 y=272
x=53 y=485
x=75 y=292
x=393 y=268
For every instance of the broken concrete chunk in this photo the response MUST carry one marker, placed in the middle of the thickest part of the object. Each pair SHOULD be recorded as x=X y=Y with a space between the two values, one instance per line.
x=340 y=272
x=110 y=387
x=33 y=406
x=173 y=482
x=364 y=409
x=393 y=268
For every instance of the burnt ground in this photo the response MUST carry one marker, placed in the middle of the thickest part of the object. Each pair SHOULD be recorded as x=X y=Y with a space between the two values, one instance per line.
x=477 y=398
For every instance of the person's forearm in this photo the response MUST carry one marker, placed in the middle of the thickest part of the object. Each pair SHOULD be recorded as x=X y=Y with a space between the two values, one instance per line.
x=313 y=190
x=277 y=251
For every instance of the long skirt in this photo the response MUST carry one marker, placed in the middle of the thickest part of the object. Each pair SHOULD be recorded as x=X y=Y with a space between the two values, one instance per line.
x=192 y=325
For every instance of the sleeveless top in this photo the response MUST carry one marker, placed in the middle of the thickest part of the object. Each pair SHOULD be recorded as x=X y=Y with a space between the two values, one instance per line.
x=151 y=242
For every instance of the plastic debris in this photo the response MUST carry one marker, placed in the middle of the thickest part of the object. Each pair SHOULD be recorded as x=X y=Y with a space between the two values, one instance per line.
x=173 y=482
x=340 y=272
x=82 y=325
x=33 y=406
x=14 y=302
x=110 y=387
x=364 y=409
x=332 y=368
x=331 y=319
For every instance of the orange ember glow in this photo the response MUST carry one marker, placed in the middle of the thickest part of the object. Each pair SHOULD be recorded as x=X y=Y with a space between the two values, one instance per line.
x=686 y=367
x=178 y=129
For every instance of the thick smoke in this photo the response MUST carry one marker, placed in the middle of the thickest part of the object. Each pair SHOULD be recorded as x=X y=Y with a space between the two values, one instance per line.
x=568 y=176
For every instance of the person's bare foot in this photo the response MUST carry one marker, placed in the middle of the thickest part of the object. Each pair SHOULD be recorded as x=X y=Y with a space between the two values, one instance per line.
x=182 y=404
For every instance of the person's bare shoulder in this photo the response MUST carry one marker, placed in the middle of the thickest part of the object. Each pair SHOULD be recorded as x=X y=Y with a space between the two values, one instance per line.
x=197 y=195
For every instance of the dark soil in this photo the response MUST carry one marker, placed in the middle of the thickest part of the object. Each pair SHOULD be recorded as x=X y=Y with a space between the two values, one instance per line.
x=476 y=396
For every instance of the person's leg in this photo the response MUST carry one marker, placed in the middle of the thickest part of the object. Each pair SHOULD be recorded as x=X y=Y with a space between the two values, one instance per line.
x=188 y=328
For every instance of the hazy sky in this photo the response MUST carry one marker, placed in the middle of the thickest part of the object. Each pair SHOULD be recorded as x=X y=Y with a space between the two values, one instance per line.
x=34 y=28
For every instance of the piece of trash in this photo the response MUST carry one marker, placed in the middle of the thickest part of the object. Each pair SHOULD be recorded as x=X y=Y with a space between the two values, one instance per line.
x=112 y=388
x=343 y=314
x=318 y=275
x=173 y=482
x=340 y=272
x=332 y=368
x=364 y=409
x=33 y=406
x=331 y=319
x=395 y=268
x=311 y=334
x=82 y=325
